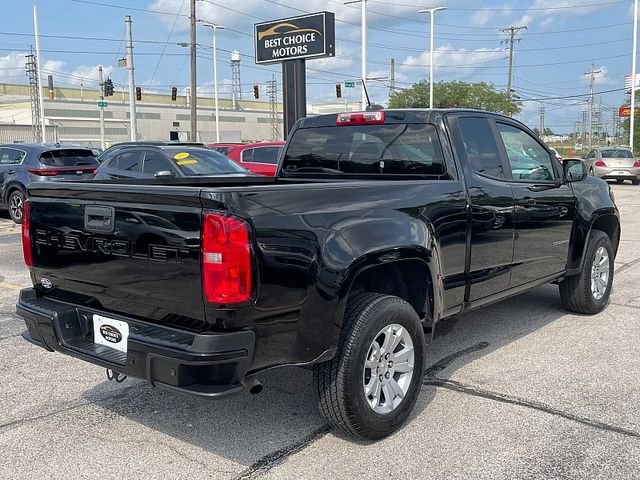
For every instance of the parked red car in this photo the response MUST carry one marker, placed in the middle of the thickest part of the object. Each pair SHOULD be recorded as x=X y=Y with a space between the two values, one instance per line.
x=259 y=157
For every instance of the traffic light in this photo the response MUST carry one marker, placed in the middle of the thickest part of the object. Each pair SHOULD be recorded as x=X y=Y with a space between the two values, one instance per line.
x=139 y=93
x=174 y=93
x=338 y=90
x=256 y=91
x=108 y=87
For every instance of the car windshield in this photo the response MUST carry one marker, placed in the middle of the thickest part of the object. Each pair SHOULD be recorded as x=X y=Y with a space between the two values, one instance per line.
x=202 y=161
x=68 y=158
x=617 y=153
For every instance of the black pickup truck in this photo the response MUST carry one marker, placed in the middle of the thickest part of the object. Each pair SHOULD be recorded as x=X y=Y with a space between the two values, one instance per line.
x=377 y=226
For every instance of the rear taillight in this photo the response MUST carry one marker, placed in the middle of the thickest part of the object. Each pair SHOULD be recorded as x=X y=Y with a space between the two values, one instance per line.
x=43 y=172
x=600 y=163
x=226 y=260
x=636 y=164
x=52 y=172
x=26 y=236
x=360 y=118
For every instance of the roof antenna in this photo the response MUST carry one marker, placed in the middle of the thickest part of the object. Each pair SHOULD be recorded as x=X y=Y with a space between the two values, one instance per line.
x=370 y=106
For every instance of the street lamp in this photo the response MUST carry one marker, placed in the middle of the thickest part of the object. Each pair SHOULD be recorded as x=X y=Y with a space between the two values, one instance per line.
x=364 y=49
x=215 y=28
x=431 y=11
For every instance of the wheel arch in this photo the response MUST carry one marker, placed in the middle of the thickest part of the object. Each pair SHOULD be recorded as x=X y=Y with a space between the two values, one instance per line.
x=607 y=222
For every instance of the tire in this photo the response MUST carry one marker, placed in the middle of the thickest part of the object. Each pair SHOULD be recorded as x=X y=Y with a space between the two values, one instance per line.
x=636 y=182
x=619 y=181
x=15 y=200
x=340 y=382
x=577 y=291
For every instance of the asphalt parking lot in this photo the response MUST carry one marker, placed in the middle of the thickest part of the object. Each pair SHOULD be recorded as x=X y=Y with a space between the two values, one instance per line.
x=519 y=389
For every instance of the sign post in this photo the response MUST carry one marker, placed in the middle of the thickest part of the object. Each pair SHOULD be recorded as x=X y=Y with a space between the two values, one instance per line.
x=291 y=41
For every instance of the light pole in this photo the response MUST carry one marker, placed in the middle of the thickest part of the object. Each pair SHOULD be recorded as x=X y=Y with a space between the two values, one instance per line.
x=633 y=74
x=364 y=49
x=431 y=12
x=214 y=29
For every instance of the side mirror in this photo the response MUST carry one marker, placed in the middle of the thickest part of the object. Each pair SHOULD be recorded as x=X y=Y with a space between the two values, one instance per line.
x=164 y=174
x=574 y=169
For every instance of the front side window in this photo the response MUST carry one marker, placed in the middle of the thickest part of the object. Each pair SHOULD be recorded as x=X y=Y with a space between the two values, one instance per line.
x=528 y=159
x=401 y=149
x=155 y=162
x=480 y=147
x=11 y=156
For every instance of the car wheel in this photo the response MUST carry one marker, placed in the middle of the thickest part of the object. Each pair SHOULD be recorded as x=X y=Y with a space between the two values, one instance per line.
x=588 y=291
x=15 y=201
x=636 y=182
x=369 y=389
x=619 y=180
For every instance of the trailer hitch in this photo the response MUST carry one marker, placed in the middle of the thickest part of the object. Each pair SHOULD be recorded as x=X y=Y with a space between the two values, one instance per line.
x=115 y=376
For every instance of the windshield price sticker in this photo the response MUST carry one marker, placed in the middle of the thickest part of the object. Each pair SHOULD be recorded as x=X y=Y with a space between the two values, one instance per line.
x=180 y=156
x=187 y=162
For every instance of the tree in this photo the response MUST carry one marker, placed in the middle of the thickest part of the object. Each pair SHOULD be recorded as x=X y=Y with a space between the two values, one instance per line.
x=456 y=94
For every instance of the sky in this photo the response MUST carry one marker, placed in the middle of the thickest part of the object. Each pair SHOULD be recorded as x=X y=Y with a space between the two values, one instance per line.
x=562 y=40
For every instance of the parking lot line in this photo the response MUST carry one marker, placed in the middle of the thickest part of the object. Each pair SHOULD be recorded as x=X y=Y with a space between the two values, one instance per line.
x=10 y=286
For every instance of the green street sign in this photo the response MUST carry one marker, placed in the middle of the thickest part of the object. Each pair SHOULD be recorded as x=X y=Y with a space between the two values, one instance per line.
x=103 y=104
x=349 y=84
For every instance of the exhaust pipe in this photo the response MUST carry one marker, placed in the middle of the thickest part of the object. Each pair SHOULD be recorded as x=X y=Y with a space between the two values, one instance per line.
x=252 y=385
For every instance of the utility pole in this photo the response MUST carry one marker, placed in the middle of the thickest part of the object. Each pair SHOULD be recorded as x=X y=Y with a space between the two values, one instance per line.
x=363 y=72
x=431 y=12
x=132 y=86
x=392 y=82
x=592 y=81
x=512 y=32
x=583 y=117
x=272 y=93
x=541 y=127
x=194 y=100
x=101 y=96
x=35 y=93
x=82 y=89
x=214 y=28
x=39 y=69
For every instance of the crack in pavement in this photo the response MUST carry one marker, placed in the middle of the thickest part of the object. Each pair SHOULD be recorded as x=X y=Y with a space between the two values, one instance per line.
x=460 y=387
x=513 y=400
x=626 y=266
x=273 y=459
x=114 y=396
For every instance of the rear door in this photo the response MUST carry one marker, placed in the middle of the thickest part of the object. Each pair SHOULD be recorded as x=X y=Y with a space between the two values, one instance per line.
x=545 y=205
x=133 y=250
x=10 y=160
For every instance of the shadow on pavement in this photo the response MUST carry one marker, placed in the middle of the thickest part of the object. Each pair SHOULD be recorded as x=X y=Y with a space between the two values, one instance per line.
x=245 y=428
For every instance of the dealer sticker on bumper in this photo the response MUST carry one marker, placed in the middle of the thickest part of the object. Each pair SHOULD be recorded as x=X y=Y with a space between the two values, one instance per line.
x=110 y=333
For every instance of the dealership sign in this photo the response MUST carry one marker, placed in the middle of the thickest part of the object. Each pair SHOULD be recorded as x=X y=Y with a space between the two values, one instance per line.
x=626 y=111
x=306 y=36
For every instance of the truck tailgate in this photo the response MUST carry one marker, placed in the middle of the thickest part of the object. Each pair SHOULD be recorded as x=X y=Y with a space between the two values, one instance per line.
x=128 y=249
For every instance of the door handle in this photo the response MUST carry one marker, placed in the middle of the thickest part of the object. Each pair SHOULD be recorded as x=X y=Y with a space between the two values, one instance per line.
x=526 y=202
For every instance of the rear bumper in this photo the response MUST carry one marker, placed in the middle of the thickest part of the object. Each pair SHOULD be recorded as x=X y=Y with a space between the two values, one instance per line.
x=207 y=365
x=627 y=173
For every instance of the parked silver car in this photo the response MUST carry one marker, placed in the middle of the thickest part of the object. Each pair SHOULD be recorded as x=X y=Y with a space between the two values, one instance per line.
x=613 y=163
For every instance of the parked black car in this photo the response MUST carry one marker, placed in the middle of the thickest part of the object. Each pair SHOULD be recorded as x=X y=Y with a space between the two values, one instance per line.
x=162 y=161
x=25 y=163
x=145 y=143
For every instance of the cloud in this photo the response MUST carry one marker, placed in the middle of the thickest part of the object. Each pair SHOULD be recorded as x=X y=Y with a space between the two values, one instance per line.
x=461 y=62
x=549 y=12
x=341 y=61
x=481 y=18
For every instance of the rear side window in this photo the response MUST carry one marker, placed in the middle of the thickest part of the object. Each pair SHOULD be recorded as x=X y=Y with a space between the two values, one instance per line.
x=480 y=147
x=155 y=162
x=266 y=155
x=129 y=161
x=247 y=155
x=403 y=149
x=68 y=158
x=11 y=156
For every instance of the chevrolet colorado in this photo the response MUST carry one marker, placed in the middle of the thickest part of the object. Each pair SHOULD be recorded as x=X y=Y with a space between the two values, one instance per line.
x=378 y=225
